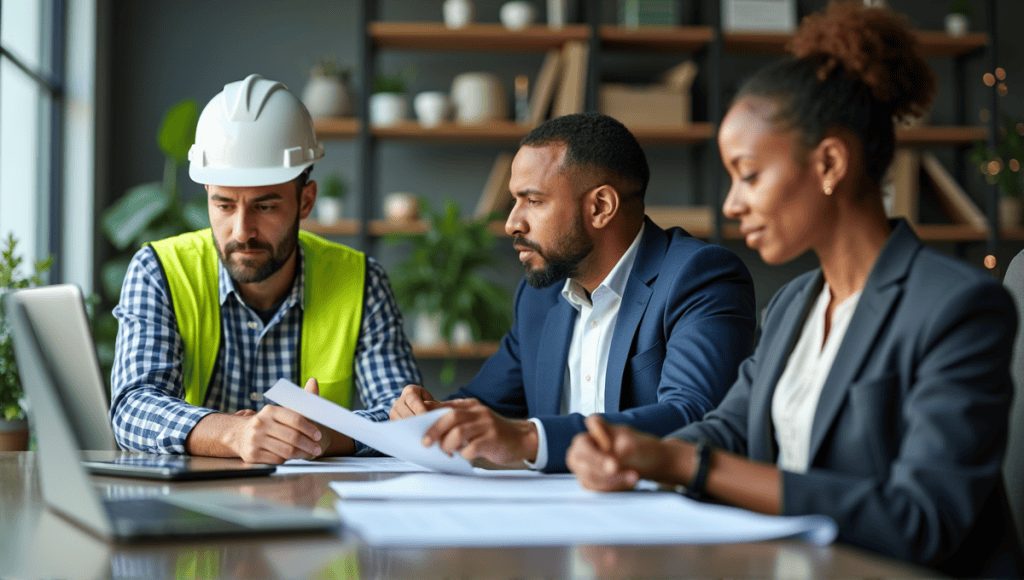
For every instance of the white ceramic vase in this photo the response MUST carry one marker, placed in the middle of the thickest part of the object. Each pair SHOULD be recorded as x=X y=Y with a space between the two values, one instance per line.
x=517 y=14
x=327 y=96
x=957 y=24
x=387 y=109
x=401 y=206
x=478 y=97
x=457 y=13
x=432 y=108
x=328 y=209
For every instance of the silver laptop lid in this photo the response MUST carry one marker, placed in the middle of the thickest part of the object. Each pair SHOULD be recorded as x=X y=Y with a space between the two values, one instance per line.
x=58 y=318
x=65 y=484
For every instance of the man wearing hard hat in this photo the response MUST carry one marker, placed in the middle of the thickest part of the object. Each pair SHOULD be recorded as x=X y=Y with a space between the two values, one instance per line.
x=209 y=320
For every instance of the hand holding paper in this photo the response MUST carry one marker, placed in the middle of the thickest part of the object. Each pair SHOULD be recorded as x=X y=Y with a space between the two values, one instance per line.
x=401 y=439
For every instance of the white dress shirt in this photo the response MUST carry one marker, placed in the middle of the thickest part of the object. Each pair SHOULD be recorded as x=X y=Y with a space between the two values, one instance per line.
x=796 y=395
x=586 y=367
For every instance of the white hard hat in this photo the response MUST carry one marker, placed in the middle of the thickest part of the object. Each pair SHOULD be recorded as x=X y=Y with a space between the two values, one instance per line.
x=255 y=132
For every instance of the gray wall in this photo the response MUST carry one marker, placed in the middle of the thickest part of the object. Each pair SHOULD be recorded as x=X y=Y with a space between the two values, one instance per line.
x=167 y=50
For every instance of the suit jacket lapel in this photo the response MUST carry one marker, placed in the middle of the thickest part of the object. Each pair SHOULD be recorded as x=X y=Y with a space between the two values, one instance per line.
x=635 y=297
x=554 y=355
x=762 y=446
x=880 y=295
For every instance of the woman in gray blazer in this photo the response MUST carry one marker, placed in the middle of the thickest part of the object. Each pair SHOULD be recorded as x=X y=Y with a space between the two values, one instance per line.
x=879 y=392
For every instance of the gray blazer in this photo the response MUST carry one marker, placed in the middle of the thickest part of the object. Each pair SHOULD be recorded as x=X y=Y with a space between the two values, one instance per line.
x=910 y=431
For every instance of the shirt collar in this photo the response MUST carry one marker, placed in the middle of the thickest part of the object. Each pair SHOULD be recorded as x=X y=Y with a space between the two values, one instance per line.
x=614 y=282
x=226 y=286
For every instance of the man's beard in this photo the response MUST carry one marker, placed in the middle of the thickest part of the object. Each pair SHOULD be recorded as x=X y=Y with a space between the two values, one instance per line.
x=246 y=272
x=563 y=261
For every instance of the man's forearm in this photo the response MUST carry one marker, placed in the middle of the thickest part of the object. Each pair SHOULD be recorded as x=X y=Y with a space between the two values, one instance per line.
x=214 y=435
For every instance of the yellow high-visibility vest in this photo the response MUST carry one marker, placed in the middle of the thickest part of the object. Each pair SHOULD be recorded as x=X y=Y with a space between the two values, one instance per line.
x=332 y=311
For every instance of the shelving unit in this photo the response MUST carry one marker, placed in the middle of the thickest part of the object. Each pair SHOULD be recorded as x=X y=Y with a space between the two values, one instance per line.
x=707 y=42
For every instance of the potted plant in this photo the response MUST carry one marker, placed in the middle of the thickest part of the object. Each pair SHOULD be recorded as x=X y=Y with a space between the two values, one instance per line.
x=958 y=17
x=13 y=425
x=327 y=93
x=148 y=212
x=388 y=103
x=441 y=281
x=329 y=199
x=1002 y=167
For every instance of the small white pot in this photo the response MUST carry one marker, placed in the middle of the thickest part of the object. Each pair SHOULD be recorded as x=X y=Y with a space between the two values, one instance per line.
x=426 y=330
x=478 y=97
x=387 y=109
x=432 y=107
x=957 y=24
x=328 y=209
x=326 y=96
x=461 y=334
x=401 y=206
x=457 y=13
x=517 y=14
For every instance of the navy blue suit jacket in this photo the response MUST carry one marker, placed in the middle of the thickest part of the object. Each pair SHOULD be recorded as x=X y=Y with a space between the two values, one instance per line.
x=685 y=322
x=909 y=434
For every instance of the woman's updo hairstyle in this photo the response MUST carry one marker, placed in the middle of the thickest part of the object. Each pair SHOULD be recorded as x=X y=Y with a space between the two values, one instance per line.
x=852 y=67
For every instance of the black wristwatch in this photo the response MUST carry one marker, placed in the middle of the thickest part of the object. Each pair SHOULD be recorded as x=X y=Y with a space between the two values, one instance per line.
x=695 y=489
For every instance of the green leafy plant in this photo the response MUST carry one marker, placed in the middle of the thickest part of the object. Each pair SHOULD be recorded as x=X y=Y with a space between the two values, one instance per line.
x=1002 y=166
x=394 y=83
x=10 y=385
x=328 y=67
x=148 y=212
x=961 y=7
x=333 y=186
x=442 y=276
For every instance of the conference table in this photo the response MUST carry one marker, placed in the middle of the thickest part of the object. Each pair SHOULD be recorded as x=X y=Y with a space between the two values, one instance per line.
x=37 y=543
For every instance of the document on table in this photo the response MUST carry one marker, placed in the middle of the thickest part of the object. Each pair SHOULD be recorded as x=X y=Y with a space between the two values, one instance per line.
x=348 y=465
x=496 y=485
x=399 y=439
x=630 y=518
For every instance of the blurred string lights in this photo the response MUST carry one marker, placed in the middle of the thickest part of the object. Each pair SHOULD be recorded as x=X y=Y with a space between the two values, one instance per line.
x=1001 y=166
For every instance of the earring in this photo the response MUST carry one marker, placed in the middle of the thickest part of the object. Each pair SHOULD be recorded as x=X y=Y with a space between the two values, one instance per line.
x=828 y=189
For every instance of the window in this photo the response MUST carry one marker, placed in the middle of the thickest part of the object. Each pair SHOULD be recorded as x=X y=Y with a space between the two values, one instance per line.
x=47 y=132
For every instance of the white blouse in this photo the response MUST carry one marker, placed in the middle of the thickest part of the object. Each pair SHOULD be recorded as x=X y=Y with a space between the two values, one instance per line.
x=796 y=395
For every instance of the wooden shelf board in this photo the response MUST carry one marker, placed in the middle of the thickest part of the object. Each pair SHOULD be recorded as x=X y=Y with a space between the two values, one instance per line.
x=949 y=233
x=933 y=43
x=477 y=350
x=659 y=38
x=938 y=135
x=685 y=135
x=336 y=127
x=449 y=131
x=487 y=37
x=1015 y=234
x=698 y=220
x=385 y=227
x=338 y=228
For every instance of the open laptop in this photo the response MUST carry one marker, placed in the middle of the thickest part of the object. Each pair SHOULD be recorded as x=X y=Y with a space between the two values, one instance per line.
x=58 y=318
x=66 y=486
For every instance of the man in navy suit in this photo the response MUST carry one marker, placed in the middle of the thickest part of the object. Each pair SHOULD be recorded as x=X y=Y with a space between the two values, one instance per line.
x=615 y=316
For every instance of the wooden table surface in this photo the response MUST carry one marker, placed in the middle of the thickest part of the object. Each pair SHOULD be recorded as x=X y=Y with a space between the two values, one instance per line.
x=36 y=543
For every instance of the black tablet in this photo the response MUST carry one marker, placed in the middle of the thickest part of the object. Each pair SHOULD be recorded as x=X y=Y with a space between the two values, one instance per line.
x=176 y=467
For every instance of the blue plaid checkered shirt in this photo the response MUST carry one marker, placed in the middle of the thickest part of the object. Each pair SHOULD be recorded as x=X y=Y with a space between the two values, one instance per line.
x=148 y=410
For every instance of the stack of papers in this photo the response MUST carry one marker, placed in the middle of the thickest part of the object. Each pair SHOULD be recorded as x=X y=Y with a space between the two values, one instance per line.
x=456 y=505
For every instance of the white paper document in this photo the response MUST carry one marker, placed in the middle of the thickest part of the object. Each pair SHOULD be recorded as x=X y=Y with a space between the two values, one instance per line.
x=485 y=485
x=399 y=439
x=348 y=465
x=640 y=518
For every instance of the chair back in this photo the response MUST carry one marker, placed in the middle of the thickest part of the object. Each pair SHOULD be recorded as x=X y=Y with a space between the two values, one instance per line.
x=1013 y=465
